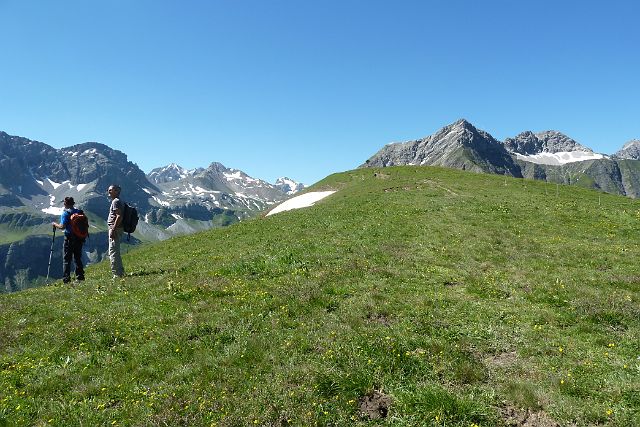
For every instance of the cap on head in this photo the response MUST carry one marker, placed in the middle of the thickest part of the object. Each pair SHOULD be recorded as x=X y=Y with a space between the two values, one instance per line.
x=69 y=201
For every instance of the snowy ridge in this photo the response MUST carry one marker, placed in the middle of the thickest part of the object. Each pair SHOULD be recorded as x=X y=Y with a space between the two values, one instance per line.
x=560 y=158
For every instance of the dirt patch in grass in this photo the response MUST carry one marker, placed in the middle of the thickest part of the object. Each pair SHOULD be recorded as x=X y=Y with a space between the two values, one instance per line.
x=526 y=418
x=503 y=360
x=379 y=318
x=374 y=406
x=452 y=283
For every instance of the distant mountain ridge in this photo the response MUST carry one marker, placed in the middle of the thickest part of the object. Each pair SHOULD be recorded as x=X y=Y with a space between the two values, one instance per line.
x=548 y=155
x=35 y=178
x=169 y=173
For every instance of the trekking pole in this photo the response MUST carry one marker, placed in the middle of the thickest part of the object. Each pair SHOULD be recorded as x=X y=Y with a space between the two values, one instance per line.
x=51 y=254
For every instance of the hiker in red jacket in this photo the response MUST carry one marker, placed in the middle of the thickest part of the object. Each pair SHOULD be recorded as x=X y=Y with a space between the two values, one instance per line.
x=72 y=243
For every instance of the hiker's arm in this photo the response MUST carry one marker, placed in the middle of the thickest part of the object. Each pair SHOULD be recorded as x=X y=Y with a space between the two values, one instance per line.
x=63 y=222
x=118 y=220
x=116 y=223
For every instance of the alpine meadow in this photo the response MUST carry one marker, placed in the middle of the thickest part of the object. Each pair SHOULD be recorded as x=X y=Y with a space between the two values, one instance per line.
x=412 y=296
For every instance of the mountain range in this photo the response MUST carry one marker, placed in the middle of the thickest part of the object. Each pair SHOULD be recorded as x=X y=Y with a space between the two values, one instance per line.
x=34 y=179
x=550 y=156
x=171 y=200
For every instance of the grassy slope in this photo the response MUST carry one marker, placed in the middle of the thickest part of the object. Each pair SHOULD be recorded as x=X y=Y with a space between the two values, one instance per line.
x=464 y=297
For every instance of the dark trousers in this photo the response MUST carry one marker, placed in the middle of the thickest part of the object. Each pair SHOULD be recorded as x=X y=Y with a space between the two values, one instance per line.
x=72 y=249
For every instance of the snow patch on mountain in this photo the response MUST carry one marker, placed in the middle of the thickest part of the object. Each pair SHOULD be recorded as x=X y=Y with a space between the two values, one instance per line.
x=236 y=175
x=53 y=210
x=55 y=185
x=560 y=158
x=161 y=202
x=301 y=201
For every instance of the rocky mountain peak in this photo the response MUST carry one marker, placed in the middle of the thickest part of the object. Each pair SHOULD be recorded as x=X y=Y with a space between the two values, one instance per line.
x=217 y=167
x=556 y=142
x=457 y=127
x=630 y=150
x=93 y=148
x=459 y=145
x=633 y=142
x=464 y=124
x=288 y=185
x=462 y=131
x=170 y=173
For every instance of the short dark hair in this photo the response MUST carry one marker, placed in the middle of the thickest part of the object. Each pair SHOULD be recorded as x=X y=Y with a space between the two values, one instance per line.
x=69 y=201
x=115 y=187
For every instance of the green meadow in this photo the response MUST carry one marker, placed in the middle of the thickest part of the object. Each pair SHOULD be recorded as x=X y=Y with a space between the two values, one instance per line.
x=413 y=296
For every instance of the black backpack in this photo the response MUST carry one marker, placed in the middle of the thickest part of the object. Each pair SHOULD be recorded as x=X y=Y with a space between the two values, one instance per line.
x=129 y=220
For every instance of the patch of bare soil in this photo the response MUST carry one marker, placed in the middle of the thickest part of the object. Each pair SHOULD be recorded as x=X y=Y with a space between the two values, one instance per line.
x=526 y=418
x=503 y=360
x=379 y=318
x=375 y=405
x=452 y=283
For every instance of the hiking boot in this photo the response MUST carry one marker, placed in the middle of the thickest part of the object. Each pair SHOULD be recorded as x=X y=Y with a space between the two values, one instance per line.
x=80 y=279
x=66 y=280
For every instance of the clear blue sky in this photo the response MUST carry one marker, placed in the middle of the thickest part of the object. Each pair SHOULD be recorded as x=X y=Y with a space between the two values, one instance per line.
x=307 y=88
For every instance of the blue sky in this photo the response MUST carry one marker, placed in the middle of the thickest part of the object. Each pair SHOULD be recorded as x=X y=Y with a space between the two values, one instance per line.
x=307 y=88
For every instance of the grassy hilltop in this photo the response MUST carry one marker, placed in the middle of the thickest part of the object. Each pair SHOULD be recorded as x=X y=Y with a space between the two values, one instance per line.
x=412 y=296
